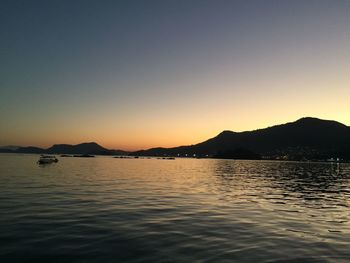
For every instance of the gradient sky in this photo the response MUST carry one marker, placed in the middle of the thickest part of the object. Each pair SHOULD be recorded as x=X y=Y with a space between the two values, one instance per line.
x=138 y=74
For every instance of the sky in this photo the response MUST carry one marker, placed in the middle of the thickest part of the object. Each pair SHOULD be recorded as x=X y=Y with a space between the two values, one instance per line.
x=139 y=74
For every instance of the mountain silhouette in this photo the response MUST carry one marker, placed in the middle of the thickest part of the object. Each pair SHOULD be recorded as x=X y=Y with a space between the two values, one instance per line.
x=9 y=147
x=82 y=148
x=307 y=137
x=29 y=149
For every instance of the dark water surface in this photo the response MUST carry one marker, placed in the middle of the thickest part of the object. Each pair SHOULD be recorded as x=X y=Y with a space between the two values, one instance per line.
x=184 y=210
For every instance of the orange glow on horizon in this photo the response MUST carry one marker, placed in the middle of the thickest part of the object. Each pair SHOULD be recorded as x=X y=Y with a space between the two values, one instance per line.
x=132 y=140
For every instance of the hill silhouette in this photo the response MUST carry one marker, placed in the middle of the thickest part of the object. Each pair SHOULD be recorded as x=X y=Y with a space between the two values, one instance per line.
x=308 y=137
x=29 y=149
x=82 y=148
x=9 y=147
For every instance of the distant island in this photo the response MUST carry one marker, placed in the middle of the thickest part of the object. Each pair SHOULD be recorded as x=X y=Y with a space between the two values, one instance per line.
x=305 y=139
x=82 y=148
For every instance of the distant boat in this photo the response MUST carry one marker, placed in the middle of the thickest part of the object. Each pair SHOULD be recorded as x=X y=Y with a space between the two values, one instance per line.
x=66 y=155
x=47 y=159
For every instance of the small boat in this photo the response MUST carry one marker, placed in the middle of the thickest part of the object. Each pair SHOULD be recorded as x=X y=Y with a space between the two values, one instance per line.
x=47 y=159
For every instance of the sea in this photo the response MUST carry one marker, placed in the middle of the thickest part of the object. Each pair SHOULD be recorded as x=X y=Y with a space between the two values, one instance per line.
x=105 y=209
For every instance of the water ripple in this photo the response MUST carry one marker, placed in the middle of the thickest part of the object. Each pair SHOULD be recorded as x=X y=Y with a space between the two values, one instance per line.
x=147 y=210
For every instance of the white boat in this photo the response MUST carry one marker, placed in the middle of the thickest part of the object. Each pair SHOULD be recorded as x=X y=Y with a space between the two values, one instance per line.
x=47 y=159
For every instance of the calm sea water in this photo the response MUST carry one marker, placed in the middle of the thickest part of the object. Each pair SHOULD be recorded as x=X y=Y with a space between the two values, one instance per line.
x=185 y=210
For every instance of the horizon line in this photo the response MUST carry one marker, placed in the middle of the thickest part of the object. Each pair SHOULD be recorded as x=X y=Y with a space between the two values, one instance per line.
x=120 y=149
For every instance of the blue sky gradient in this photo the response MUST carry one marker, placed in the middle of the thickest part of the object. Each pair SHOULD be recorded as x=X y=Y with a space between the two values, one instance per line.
x=137 y=74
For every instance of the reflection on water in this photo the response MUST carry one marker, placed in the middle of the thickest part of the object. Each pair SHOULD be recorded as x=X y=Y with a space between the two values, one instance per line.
x=146 y=210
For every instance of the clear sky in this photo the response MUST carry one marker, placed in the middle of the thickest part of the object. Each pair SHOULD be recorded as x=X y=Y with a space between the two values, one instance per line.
x=138 y=74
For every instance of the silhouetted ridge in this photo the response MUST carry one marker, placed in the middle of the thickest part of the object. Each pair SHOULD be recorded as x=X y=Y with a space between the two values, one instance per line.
x=30 y=149
x=226 y=133
x=82 y=148
x=305 y=138
x=308 y=121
